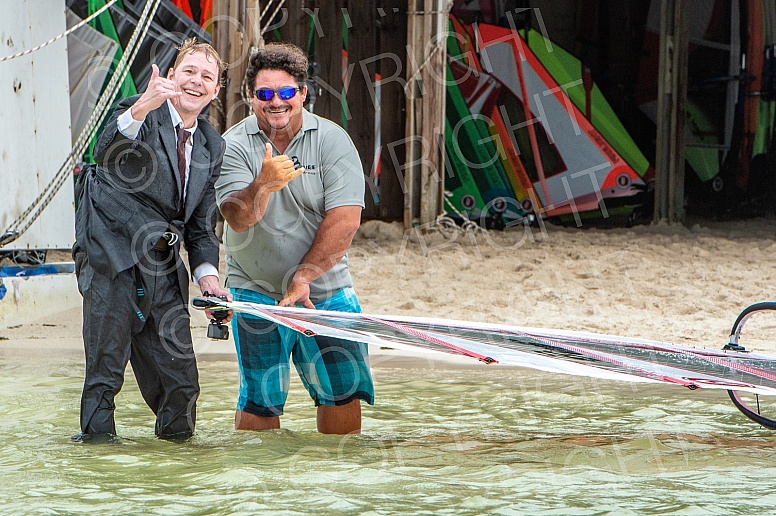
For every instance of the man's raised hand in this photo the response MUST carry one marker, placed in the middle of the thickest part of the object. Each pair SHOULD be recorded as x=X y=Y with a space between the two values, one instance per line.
x=159 y=89
x=277 y=171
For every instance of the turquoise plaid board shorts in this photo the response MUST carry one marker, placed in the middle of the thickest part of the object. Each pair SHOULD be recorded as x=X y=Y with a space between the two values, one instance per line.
x=334 y=371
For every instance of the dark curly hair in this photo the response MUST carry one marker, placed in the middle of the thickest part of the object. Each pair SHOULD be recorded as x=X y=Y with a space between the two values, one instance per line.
x=277 y=56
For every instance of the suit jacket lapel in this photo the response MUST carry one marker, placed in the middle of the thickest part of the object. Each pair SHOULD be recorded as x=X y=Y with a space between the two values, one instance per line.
x=199 y=173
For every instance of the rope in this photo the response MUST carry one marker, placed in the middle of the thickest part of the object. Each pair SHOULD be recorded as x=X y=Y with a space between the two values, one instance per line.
x=272 y=17
x=15 y=229
x=68 y=31
x=417 y=72
x=468 y=226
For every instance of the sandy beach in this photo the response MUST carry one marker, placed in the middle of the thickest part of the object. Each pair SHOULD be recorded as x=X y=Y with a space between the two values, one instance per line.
x=683 y=284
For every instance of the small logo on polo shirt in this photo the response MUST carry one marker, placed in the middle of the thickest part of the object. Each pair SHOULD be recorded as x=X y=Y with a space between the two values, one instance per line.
x=308 y=169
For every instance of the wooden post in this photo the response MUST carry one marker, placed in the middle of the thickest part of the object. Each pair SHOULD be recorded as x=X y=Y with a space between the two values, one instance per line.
x=235 y=108
x=424 y=175
x=679 y=115
x=434 y=118
x=220 y=29
x=236 y=28
x=411 y=208
x=671 y=107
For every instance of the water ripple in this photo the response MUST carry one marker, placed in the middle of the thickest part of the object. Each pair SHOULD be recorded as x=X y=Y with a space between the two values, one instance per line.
x=437 y=442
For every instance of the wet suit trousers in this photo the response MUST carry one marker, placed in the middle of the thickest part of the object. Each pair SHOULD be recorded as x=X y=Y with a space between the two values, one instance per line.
x=158 y=344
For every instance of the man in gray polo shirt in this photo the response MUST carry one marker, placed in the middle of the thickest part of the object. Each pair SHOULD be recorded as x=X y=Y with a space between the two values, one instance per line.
x=291 y=191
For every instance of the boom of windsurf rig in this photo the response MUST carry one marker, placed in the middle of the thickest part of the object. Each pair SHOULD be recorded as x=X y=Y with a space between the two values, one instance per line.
x=753 y=413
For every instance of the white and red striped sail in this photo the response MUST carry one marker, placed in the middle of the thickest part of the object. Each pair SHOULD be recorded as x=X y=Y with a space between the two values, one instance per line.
x=567 y=352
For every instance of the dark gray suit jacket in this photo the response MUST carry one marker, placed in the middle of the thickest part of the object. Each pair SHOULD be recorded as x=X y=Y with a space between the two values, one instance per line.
x=131 y=197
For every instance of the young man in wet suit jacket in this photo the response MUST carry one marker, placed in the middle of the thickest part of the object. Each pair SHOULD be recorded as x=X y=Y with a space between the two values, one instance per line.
x=151 y=191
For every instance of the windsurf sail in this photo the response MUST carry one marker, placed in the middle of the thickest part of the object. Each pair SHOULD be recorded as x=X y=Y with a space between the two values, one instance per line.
x=560 y=147
x=576 y=168
x=567 y=352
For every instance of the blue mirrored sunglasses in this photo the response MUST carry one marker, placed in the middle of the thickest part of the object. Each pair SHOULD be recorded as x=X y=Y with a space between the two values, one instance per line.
x=285 y=93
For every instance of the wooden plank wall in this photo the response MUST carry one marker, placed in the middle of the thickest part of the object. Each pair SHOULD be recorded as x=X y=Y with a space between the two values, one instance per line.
x=362 y=100
x=376 y=35
x=327 y=43
x=393 y=48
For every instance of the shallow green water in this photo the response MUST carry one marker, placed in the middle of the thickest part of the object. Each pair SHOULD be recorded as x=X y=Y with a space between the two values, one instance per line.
x=498 y=441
